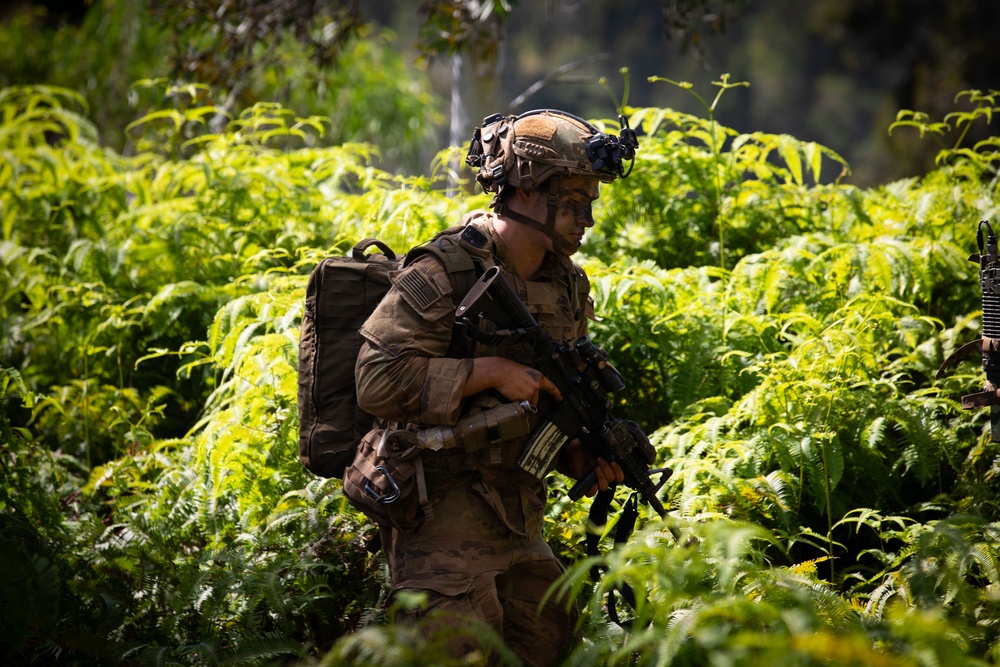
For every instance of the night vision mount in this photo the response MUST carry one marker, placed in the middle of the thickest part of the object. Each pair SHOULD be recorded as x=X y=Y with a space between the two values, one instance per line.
x=606 y=153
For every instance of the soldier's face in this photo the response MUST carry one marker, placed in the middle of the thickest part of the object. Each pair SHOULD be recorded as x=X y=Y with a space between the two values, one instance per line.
x=574 y=211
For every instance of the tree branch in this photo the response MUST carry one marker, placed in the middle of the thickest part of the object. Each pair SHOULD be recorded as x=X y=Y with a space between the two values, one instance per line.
x=546 y=80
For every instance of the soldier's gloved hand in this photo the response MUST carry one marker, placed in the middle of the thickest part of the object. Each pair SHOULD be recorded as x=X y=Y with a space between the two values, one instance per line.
x=575 y=461
x=515 y=381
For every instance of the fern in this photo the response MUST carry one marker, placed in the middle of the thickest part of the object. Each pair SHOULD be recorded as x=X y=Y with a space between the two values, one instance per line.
x=780 y=337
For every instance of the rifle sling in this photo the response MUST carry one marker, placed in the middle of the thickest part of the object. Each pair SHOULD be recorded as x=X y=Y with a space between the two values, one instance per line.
x=623 y=531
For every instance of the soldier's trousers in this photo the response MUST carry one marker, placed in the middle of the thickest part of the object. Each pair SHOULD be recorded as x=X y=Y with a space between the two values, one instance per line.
x=472 y=567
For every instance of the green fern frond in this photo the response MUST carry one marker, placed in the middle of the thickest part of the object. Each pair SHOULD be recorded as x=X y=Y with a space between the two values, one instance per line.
x=255 y=648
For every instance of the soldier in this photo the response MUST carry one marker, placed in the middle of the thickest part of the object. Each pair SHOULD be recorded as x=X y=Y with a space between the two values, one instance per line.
x=482 y=556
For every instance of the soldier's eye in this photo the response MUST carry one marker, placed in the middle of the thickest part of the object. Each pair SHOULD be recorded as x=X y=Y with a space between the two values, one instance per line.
x=578 y=209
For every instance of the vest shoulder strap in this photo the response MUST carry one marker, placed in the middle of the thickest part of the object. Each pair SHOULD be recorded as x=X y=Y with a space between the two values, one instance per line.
x=463 y=253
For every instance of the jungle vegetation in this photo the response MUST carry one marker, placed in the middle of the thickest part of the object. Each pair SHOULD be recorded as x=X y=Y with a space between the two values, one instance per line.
x=780 y=329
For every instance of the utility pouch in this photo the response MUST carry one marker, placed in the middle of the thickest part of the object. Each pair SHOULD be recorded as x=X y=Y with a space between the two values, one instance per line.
x=387 y=485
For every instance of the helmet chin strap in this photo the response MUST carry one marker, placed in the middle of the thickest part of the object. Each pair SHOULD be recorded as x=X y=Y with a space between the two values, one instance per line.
x=559 y=245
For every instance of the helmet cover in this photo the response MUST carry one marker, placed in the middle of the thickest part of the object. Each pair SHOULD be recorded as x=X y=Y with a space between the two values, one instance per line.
x=525 y=151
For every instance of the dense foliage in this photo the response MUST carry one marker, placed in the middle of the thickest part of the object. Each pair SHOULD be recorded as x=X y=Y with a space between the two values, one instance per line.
x=830 y=501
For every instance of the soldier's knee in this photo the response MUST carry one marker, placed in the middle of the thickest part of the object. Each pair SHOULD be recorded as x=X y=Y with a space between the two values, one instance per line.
x=539 y=636
x=461 y=618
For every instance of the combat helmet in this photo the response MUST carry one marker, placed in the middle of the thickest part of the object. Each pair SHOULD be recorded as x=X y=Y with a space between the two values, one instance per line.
x=541 y=147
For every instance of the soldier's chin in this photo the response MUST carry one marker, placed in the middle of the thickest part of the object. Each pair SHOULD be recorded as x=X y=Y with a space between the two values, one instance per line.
x=563 y=246
x=567 y=247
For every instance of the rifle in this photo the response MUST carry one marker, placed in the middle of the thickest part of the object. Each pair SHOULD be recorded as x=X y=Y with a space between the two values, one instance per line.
x=585 y=379
x=988 y=259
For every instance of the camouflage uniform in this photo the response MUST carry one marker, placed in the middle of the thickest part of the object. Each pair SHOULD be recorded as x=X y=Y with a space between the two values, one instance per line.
x=482 y=555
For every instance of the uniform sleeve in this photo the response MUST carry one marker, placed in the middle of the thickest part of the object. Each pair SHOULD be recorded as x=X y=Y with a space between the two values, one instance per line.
x=402 y=373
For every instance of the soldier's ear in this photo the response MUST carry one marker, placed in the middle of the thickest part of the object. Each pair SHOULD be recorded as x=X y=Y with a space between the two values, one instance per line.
x=523 y=194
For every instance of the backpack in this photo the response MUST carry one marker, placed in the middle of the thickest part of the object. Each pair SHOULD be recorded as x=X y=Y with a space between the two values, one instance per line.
x=341 y=293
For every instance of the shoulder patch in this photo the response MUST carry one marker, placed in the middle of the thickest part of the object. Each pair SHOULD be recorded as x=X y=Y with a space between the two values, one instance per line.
x=418 y=289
